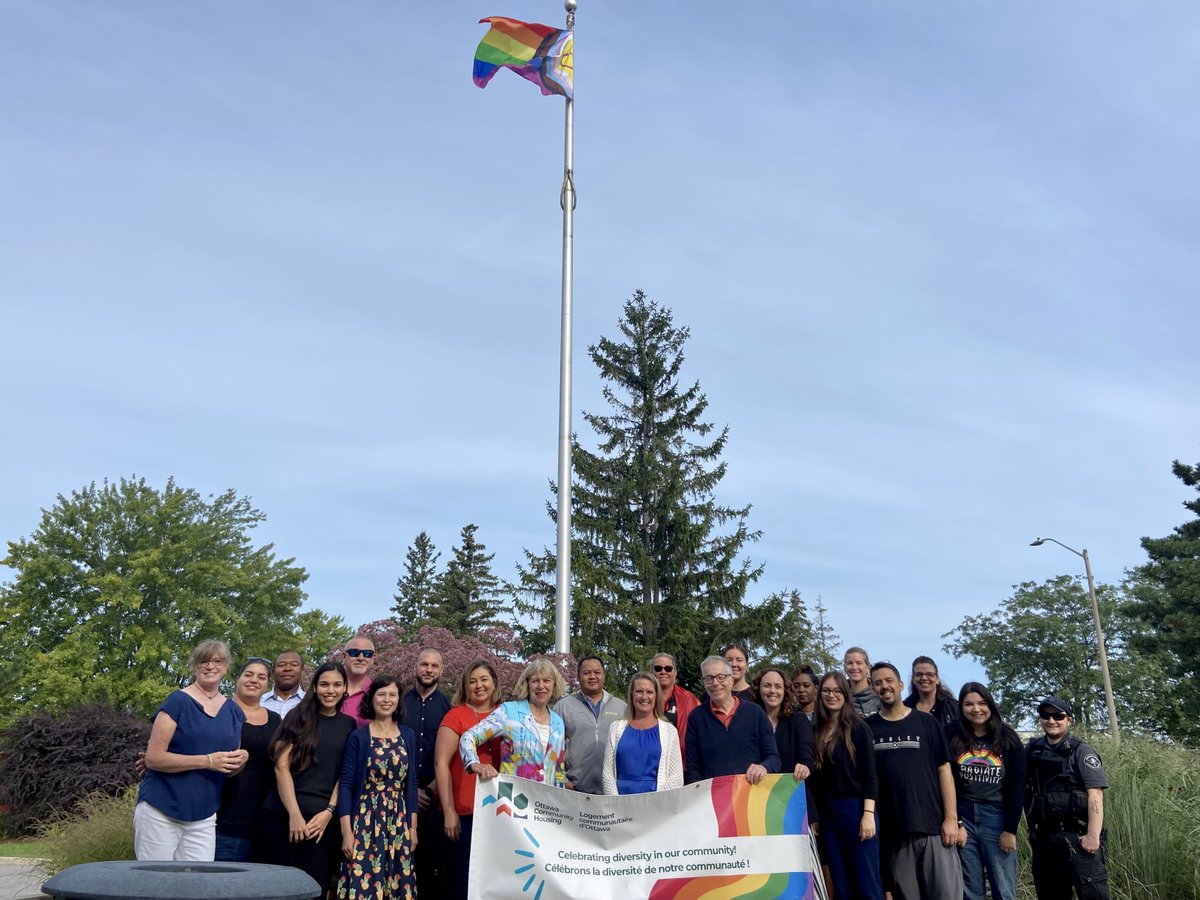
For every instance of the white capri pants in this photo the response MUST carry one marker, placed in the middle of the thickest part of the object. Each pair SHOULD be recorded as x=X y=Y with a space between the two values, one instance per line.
x=157 y=836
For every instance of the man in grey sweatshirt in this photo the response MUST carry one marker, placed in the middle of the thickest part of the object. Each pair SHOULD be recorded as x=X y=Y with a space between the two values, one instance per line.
x=587 y=716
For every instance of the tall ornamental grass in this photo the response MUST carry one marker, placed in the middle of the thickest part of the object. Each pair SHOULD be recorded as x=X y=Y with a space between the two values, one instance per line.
x=1152 y=815
x=99 y=828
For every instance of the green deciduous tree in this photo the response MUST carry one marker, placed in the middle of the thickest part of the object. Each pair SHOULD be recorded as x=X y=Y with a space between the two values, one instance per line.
x=656 y=560
x=417 y=589
x=120 y=581
x=316 y=633
x=1166 y=598
x=1042 y=640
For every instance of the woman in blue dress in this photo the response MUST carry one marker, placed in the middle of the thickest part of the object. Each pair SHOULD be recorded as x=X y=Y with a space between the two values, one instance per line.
x=643 y=750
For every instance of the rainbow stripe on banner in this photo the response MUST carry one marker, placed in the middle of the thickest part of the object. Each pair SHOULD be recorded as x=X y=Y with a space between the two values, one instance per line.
x=742 y=811
x=538 y=53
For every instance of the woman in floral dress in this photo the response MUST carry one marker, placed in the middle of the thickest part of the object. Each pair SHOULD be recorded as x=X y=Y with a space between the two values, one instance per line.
x=377 y=801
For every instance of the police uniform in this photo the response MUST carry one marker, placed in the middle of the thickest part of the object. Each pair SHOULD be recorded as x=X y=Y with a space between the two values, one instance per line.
x=1056 y=809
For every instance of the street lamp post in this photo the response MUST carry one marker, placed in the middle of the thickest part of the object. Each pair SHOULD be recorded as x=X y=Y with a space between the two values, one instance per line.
x=1108 y=691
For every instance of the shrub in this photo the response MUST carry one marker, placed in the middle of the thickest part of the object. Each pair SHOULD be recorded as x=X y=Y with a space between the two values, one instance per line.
x=100 y=828
x=49 y=762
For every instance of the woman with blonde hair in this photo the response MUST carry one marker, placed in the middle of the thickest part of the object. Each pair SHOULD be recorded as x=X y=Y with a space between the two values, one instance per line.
x=532 y=735
x=642 y=754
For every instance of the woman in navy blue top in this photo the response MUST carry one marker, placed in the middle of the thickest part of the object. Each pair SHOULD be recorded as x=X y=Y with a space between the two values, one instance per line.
x=194 y=745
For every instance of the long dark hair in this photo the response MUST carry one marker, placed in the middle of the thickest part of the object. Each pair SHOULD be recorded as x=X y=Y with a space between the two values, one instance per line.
x=834 y=727
x=788 y=706
x=942 y=693
x=301 y=728
x=1000 y=735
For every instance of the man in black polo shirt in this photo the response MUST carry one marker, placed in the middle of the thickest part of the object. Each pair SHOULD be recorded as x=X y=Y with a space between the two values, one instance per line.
x=424 y=708
x=918 y=812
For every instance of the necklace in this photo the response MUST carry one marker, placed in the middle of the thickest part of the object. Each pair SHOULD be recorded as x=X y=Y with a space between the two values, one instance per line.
x=213 y=696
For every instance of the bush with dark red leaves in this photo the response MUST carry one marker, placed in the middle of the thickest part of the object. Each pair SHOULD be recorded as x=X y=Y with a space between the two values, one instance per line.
x=51 y=761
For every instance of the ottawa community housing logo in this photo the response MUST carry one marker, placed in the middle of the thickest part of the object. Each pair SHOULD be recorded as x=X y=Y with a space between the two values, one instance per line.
x=507 y=803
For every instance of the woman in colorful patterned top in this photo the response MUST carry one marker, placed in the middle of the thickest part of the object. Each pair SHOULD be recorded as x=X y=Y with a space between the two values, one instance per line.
x=532 y=735
x=988 y=761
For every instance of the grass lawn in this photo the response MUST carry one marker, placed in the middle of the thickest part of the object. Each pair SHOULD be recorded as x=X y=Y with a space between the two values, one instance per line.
x=35 y=849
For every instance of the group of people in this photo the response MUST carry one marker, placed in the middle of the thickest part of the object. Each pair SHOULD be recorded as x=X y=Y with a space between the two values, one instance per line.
x=371 y=790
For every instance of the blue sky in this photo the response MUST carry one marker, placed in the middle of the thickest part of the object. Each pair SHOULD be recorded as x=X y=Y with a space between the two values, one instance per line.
x=938 y=262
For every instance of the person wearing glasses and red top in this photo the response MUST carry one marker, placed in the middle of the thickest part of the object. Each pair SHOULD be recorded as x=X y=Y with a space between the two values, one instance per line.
x=1064 y=806
x=678 y=701
x=359 y=658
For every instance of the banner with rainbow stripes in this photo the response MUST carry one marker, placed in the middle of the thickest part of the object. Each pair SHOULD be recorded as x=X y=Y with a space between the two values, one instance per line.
x=717 y=840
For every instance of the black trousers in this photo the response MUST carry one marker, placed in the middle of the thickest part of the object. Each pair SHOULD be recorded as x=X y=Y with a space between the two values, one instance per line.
x=431 y=859
x=1061 y=865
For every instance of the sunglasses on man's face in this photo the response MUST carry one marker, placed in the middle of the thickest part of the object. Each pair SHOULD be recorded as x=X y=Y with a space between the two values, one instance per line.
x=1056 y=716
x=357 y=652
x=664 y=668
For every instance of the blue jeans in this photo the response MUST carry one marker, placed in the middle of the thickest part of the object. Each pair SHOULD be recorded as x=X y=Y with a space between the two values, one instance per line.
x=982 y=857
x=232 y=849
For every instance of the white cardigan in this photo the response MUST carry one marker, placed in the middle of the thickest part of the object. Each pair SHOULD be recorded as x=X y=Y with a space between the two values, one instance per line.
x=670 y=764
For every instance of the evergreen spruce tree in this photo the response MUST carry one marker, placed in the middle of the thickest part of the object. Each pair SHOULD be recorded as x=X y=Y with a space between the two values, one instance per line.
x=1166 y=593
x=825 y=657
x=468 y=592
x=417 y=588
x=790 y=635
x=657 y=561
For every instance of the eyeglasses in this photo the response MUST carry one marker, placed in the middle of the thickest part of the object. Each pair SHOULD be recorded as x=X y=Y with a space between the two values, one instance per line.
x=664 y=668
x=356 y=652
x=716 y=679
x=215 y=661
x=1056 y=716
x=924 y=676
x=831 y=692
x=257 y=659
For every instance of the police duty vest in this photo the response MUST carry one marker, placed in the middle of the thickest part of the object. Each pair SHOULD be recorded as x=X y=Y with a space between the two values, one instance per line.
x=1057 y=799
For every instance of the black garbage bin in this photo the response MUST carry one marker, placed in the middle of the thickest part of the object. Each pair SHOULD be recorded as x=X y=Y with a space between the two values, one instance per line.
x=130 y=880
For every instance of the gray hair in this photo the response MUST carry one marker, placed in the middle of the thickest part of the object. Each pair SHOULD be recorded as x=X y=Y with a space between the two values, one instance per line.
x=709 y=660
x=669 y=656
x=211 y=649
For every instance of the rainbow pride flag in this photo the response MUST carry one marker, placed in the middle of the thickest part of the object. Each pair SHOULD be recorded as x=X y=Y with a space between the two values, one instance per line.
x=539 y=53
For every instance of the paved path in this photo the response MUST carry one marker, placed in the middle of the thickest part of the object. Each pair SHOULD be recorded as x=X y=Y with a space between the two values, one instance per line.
x=19 y=879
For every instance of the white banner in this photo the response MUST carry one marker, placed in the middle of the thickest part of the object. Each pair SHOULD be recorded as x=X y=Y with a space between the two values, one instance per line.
x=716 y=840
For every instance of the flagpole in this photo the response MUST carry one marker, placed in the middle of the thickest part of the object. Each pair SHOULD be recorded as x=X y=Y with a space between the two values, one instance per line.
x=562 y=581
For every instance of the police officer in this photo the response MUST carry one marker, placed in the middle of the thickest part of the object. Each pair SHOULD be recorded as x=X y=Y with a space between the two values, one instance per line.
x=1064 y=806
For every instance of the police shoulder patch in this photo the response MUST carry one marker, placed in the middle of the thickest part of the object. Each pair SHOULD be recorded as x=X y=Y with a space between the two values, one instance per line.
x=1092 y=761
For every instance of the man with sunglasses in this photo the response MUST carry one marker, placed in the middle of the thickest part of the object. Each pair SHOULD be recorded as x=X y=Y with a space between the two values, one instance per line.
x=1064 y=806
x=359 y=658
x=677 y=701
